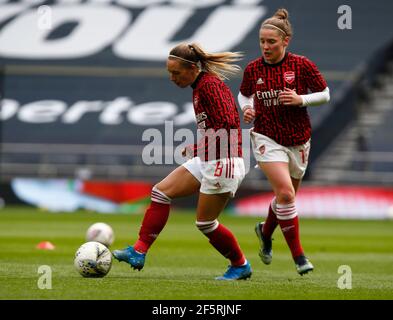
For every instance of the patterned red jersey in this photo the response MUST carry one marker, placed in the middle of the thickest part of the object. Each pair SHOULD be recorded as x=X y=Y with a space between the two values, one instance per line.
x=287 y=125
x=217 y=116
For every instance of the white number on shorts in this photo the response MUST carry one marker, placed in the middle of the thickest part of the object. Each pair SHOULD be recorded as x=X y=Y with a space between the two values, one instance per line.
x=304 y=154
x=219 y=166
x=229 y=169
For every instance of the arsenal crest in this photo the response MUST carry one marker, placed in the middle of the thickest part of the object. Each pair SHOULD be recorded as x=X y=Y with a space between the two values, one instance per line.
x=289 y=77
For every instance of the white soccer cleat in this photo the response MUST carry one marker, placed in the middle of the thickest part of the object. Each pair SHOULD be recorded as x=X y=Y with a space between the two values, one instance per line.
x=303 y=265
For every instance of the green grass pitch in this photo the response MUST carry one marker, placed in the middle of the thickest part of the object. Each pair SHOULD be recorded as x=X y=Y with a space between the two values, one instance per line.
x=182 y=264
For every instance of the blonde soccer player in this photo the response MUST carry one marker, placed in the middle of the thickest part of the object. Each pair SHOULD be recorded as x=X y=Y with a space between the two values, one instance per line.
x=215 y=168
x=275 y=92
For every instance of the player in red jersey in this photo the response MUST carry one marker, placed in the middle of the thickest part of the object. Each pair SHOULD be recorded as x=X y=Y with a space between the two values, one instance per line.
x=215 y=168
x=275 y=91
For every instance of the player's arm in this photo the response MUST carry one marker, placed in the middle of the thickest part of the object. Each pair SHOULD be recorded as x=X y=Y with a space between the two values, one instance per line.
x=315 y=98
x=214 y=99
x=247 y=106
x=315 y=83
x=246 y=96
x=320 y=93
x=290 y=98
x=245 y=102
x=218 y=102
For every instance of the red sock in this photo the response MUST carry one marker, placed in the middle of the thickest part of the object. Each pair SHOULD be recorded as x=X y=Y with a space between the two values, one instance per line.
x=225 y=242
x=154 y=221
x=271 y=222
x=289 y=223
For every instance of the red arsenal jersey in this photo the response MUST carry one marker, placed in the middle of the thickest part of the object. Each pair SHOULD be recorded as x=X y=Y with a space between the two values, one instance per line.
x=217 y=119
x=287 y=125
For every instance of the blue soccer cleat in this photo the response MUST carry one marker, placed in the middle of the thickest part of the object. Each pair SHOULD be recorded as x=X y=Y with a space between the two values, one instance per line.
x=237 y=273
x=265 y=252
x=303 y=265
x=131 y=256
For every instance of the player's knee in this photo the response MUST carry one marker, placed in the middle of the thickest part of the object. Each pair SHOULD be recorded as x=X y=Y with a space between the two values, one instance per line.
x=163 y=187
x=207 y=226
x=169 y=189
x=159 y=196
x=285 y=195
x=273 y=204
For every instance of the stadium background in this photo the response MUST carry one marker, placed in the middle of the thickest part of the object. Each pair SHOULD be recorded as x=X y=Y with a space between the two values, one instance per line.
x=78 y=95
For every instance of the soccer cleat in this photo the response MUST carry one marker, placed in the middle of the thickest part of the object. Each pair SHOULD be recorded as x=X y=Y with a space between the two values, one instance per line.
x=303 y=265
x=131 y=256
x=237 y=273
x=265 y=252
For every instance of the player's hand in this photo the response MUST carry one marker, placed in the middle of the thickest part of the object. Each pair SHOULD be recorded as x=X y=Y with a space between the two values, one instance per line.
x=249 y=115
x=289 y=97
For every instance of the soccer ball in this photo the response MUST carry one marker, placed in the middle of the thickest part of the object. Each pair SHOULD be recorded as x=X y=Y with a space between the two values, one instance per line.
x=100 y=232
x=93 y=260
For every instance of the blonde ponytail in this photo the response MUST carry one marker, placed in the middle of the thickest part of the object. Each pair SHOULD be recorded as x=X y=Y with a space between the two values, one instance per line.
x=220 y=64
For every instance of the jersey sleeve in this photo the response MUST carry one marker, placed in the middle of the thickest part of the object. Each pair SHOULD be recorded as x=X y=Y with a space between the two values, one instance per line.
x=219 y=105
x=313 y=77
x=218 y=102
x=246 y=87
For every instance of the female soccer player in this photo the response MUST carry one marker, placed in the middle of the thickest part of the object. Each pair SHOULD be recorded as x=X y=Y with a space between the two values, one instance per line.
x=215 y=168
x=274 y=93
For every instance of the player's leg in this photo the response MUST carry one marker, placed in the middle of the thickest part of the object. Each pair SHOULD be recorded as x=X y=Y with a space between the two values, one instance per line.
x=220 y=237
x=209 y=208
x=267 y=227
x=303 y=265
x=284 y=189
x=178 y=183
x=267 y=150
x=264 y=231
x=296 y=184
x=298 y=160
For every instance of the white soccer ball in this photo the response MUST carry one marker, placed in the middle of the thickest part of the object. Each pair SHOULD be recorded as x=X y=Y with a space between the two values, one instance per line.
x=93 y=260
x=100 y=232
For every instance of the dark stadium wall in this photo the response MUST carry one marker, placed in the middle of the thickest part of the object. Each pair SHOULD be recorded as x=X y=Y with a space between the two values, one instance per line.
x=80 y=93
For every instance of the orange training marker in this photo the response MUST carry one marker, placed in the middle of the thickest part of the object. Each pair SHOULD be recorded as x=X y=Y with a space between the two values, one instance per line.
x=45 y=245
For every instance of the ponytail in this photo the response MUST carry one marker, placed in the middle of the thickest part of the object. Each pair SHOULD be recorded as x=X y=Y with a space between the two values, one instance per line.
x=219 y=64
